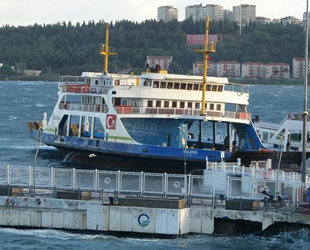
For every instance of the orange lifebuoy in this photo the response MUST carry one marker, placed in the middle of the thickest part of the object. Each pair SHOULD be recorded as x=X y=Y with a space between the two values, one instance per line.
x=85 y=89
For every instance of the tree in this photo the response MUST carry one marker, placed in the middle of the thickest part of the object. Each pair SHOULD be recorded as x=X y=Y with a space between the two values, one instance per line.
x=7 y=71
x=20 y=67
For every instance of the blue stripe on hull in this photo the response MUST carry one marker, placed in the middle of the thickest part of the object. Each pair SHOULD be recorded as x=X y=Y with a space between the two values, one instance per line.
x=145 y=151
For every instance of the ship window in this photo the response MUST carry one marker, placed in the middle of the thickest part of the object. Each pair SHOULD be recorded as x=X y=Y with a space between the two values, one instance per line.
x=96 y=82
x=197 y=105
x=196 y=86
x=163 y=85
x=218 y=107
x=295 y=135
x=170 y=84
x=182 y=105
x=183 y=85
x=176 y=85
x=200 y=86
x=214 y=87
x=150 y=104
x=208 y=87
x=166 y=104
x=174 y=104
x=220 y=88
x=189 y=86
x=117 y=101
x=147 y=83
x=265 y=136
x=158 y=104
x=103 y=82
x=189 y=104
x=156 y=84
x=211 y=106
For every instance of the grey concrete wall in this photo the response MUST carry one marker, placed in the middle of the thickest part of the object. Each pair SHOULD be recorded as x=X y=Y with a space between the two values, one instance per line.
x=93 y=215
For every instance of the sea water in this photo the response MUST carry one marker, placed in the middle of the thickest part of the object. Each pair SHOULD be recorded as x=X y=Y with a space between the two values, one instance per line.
x=24 y=101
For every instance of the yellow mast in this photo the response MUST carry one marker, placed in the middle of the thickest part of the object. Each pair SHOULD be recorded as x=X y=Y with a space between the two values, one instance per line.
x=105 y=50
x=205 y=51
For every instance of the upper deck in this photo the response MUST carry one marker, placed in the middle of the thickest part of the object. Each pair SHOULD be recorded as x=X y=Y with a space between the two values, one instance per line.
x=160 y=95
x=167 y=85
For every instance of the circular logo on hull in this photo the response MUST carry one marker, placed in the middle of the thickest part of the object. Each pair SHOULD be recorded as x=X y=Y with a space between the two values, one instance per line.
x=143 y=220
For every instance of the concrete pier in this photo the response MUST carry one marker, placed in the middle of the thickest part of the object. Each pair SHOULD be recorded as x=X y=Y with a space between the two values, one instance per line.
x=93 y=215
x=227 y=199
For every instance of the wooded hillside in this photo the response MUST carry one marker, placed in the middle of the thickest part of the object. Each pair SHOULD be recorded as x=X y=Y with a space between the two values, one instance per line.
x=71 y=49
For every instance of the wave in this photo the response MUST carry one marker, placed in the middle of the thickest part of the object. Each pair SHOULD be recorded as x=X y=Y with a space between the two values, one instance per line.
x=40 y=105
x=51 y=233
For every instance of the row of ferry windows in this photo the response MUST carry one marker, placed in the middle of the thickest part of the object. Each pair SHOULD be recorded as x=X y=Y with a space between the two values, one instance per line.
x=182 y=86
x=175 y=104
x=105 y=82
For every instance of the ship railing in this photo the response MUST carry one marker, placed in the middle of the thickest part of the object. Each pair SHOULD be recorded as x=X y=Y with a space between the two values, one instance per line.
x=84 y=88
x=236 y=87
x=71 y=80
x=267 y=125
x=130 y=110
x=84 y=107
x=233 y=183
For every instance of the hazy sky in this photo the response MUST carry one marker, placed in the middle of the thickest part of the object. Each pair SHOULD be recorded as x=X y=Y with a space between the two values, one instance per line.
x=25 y=12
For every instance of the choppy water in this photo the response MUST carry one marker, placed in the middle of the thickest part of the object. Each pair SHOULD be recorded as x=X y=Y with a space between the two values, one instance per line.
x=23 y=101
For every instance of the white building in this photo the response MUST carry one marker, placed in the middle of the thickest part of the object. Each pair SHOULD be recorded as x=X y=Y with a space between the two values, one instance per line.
x=278 y=70
x=162 y=61
x=262 y=20
x=265 y=70
x=304 y=19
x=244 y=13
x=290 y=20
x=198 y=12
x=194 y=11
x=254 y=70
x=167 y=13
x=214 y=12
x=228 y=69
x=198 y=68
x=228 y=15
x=299 y=68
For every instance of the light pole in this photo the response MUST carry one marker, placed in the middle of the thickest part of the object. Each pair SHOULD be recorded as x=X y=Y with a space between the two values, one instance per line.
x=184 y=148
x=305 y=114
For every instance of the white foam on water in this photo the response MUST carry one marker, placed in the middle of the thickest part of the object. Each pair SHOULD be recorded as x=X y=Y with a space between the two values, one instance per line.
x=40 y=105
x=12 y=117
x=55 y=234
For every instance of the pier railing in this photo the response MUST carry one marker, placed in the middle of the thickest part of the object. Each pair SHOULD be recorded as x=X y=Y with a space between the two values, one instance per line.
x=219 y=180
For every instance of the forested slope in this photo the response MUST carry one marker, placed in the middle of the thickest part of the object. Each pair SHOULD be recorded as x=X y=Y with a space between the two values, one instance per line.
x=71 y=49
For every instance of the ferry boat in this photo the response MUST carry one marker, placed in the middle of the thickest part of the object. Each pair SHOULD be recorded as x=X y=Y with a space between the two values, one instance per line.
x=155 y=121
x=287 y=133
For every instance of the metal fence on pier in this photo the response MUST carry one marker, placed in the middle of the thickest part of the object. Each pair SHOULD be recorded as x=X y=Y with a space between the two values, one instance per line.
x=224 y=181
